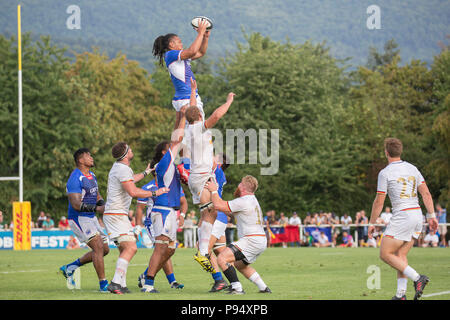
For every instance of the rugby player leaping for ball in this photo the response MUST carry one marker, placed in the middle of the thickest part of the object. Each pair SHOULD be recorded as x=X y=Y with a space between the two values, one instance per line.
x=169 y=49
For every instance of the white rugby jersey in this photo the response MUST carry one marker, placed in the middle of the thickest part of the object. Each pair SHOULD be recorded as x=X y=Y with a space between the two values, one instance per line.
x=400 y=180
x=118 y=200
x=202 y=149
x=249 y=219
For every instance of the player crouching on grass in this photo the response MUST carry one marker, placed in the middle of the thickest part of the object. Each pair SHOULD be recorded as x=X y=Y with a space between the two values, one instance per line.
x=250 y=227
x=402 y=182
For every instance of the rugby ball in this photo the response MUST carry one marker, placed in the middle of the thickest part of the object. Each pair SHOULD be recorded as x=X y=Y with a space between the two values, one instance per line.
x=196 y=20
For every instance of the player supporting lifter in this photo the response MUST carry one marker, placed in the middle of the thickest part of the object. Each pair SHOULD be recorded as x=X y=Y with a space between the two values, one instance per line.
x=252 y=238
x=163 y=215
x=401 y=181
x=147 y=203
x=201 y=166
x=121 y=191
x=84 y=201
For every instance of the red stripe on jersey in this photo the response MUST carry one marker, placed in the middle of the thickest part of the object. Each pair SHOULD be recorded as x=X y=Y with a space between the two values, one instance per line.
x=410 y=209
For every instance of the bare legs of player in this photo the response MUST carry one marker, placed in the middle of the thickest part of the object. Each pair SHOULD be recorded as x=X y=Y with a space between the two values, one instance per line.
x=99 y=250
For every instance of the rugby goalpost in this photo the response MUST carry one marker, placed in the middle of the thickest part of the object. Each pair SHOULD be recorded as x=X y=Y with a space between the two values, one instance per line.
x=21 y=209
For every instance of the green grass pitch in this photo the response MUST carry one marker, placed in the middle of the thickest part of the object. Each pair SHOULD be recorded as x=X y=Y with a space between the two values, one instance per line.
x=291 y=273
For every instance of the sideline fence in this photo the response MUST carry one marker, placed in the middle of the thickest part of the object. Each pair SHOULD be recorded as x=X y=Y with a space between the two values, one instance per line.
x=58 y=239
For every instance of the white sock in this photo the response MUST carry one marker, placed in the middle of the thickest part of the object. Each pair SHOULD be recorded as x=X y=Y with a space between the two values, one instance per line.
x=256 y=279
x=236 y=286
x=120 y=276
x=402 y=284
x=411 y=273
x=205 y=234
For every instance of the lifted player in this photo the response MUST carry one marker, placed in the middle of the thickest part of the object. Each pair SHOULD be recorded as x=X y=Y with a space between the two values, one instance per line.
x=201 y=166
x=169 y=48
x=401 y=181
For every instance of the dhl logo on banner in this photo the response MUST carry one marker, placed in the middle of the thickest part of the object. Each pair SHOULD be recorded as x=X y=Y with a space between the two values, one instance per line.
x=22 y=225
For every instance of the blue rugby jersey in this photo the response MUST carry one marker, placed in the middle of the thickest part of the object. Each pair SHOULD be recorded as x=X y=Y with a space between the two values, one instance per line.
x=180 y=73
x=88 y=188
x=221 y=181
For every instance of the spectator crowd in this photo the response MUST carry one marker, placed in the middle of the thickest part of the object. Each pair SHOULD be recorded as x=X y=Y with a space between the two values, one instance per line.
x=339 y=227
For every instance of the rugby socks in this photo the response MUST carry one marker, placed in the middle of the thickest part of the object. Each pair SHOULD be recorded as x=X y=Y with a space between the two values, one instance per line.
x=171 y=278
x=231 y=275
x=74 y=265
x=217 y=276
x=411 y=273
x=256 y=279
x=204 y=235
x=149 y=281
x=120 y=276
x=401 y=287
x=103 y=283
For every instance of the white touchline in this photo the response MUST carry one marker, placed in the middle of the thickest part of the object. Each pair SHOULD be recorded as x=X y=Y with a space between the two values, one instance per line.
x=4 y=272
x=435 y=294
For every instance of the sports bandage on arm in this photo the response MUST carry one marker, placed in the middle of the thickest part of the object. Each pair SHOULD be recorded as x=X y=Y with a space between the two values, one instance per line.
x=146 y=172
x=85 y=207
x=431 y=215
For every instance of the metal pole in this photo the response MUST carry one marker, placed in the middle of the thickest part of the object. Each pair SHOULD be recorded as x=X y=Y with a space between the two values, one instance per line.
x=19 y=40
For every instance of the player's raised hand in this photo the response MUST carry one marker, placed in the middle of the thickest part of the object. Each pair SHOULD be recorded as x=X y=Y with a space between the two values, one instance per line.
x=202 y=26
x=230 y=97
x=148 y=170
x=193 y=84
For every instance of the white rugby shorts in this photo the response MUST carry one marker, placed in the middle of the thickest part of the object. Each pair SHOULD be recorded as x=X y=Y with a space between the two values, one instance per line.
x=197 y=182
x=164 y=222
x=178 y=104
x=86 y=228
x=117 y=225
x=251 y=246
x=218 y=229
x=405 y=225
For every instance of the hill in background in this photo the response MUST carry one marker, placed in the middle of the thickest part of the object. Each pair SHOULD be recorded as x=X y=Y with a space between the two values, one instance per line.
x=131 y=26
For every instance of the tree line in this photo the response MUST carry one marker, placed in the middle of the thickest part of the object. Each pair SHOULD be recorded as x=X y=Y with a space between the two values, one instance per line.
x=332 y=120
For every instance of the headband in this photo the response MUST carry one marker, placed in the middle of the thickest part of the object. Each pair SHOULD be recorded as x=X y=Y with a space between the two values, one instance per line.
x=124 y=154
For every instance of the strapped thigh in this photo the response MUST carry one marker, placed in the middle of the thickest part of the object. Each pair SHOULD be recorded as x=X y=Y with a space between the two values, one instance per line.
x=162 y=242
